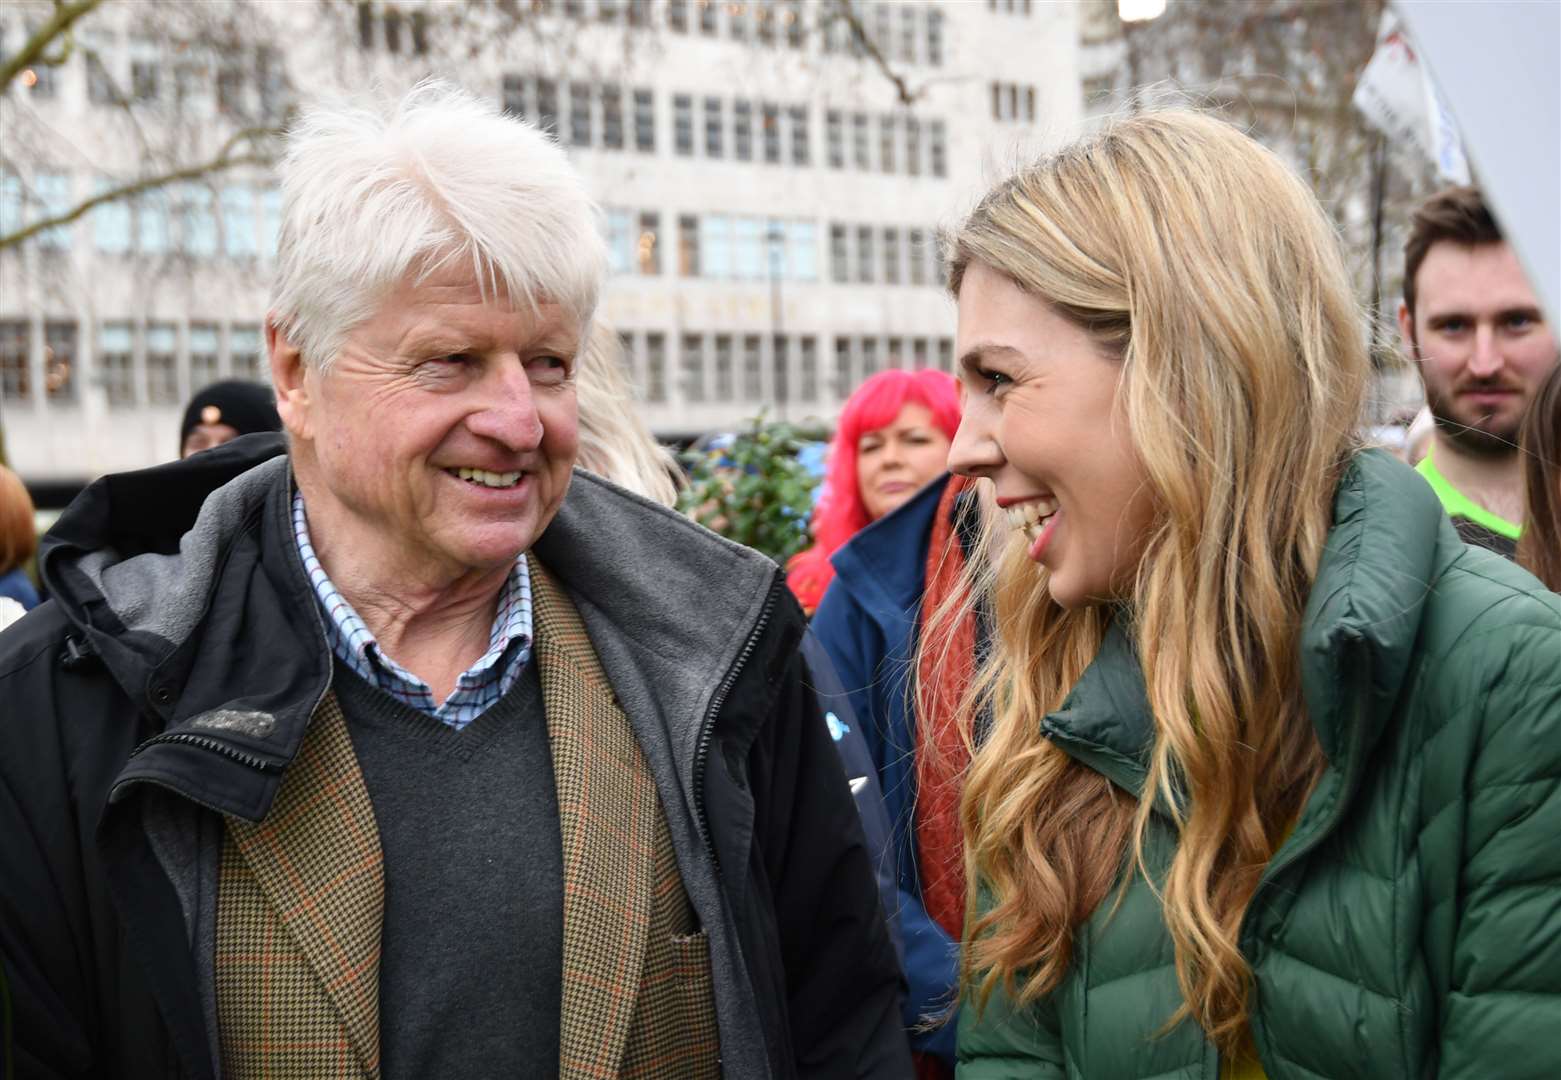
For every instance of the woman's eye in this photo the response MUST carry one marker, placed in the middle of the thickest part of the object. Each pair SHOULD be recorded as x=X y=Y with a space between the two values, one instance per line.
x=992 y=380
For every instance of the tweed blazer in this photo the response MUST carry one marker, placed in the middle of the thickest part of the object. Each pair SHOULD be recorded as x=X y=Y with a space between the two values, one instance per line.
x=301 y=899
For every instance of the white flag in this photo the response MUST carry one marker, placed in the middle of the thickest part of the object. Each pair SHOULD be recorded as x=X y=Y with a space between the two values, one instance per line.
x=1395 y=95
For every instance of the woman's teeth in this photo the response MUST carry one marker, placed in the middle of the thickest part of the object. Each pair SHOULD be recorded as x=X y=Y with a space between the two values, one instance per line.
x=1028 y=517
x=488 y=479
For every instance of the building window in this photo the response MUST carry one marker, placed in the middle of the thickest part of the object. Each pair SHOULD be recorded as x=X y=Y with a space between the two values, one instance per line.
x=231 y=85
x=270 y=221
x=861 y=155
x=797 y=116
x=864 y=254
x=919 y=354
x=688 y=246
x=648 y=254
x=708 y=11
x=271 y=83
x=886 y=143
x=112 y=223
x=683 y=125
x=547 y=106
x=419 y=33
x=715 y=246
x=197 y=222
x=162 y=364
x=915 y=244
x=765 y=18
x=579 y=114
x=747 y=248
x=808 y=377
x=100 y=84
x=835 y=138
x=238 y=221
x=912 y=146
x=724 y=387
x=946 y=354
x=869 y=357
x=639 y=12
x=52 y=191
x=802 y=250
x=620 y=242
x=612 y=117
x=772 y=133
x=940 y=167
x=839 y=254
x=245 y=353
x=655 y=367
x=753 y=368
x=513 y=96
x=792 y=17
x=677 y=15
x=691 y=362
x=204 y=350
x=365 y=24
x=715 y=122
x=1029 y=104
x=742 y=130
x=145 y=67
x=116 y=363
x=59 y=360
x=891 y=256
x=152 y=228
x=935 y=37
x=780 y=365
x=607 y=10
x=644 y=122
x=11 y=215
x=896 y=354
x=908 y=34
x=842 y=384
x=15 y=367
x=392 y=24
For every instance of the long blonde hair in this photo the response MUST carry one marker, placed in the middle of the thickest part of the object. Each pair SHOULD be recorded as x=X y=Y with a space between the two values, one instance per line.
x=1200 y=261
x=615 y=441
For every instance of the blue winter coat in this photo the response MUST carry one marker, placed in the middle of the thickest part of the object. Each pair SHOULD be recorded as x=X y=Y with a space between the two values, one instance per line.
x=867 y=623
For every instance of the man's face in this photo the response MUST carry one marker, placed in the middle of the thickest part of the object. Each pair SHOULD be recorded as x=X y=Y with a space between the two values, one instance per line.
x=1481 y=341
x=440 y=441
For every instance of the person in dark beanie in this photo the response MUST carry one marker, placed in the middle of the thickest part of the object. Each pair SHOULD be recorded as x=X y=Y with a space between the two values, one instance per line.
x=223 y=411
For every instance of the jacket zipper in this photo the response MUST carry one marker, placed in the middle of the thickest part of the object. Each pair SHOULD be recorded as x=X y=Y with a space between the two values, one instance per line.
x=216 y=746
x=707 y=729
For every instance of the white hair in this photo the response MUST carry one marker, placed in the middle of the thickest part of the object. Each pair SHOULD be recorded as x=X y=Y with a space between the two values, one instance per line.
x=615 y=441
x=375 y=193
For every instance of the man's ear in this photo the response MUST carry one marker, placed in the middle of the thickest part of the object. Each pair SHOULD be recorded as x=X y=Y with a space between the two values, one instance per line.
x=1406 y=332
x=289 y=379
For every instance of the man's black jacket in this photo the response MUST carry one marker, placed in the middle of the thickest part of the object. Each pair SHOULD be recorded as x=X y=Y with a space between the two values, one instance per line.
x=170 y=681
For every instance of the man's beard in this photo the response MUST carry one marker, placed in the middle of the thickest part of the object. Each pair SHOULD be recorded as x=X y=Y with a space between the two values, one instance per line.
x=1473 y=435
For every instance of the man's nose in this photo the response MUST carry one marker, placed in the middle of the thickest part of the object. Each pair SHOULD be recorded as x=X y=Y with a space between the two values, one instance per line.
x=1486 y=359
x=974 y=451
x=507 y=413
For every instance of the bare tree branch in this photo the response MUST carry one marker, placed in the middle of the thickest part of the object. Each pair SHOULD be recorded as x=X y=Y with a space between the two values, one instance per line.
x=223 y=161
x=33 y=50
x=845 y=11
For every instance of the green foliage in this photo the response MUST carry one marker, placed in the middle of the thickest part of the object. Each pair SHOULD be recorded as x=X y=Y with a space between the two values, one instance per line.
x=754 y=491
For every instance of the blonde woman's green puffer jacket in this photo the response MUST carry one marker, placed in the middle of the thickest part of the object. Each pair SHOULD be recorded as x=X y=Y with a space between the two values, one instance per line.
x=1410 y=927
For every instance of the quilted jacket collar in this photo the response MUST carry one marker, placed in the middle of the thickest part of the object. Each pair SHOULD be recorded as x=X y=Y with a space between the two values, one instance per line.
x=1357 y=640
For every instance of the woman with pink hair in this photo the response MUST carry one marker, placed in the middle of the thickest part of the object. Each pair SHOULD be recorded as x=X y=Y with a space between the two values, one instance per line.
x=891 y=441
x=906 y=521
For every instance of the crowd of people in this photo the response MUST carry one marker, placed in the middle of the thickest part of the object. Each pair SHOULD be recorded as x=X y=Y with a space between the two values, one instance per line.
x=1129 y=716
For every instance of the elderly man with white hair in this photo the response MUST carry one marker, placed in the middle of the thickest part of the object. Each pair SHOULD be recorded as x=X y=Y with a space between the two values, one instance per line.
x=397 y=748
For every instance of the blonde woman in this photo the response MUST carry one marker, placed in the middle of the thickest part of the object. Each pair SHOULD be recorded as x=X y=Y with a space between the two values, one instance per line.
x=1271 y=780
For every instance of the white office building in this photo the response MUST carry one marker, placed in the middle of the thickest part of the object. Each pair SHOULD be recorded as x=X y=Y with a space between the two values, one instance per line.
x=770 y=198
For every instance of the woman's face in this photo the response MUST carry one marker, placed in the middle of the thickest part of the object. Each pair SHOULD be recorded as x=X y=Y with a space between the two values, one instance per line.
x=895 y=462
x=1043 y=420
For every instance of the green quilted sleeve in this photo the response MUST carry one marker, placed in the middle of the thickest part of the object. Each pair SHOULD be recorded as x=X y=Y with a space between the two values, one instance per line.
x=1502 y=1014
x=1005 y=1043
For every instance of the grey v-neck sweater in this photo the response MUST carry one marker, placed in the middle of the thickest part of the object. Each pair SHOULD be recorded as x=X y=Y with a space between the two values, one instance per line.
x=471 y=966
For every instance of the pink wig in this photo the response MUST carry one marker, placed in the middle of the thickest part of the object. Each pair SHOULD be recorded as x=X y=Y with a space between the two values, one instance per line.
x=841 y=513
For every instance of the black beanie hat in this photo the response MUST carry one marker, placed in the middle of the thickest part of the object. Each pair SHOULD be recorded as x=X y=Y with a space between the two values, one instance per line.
x=246 y=407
